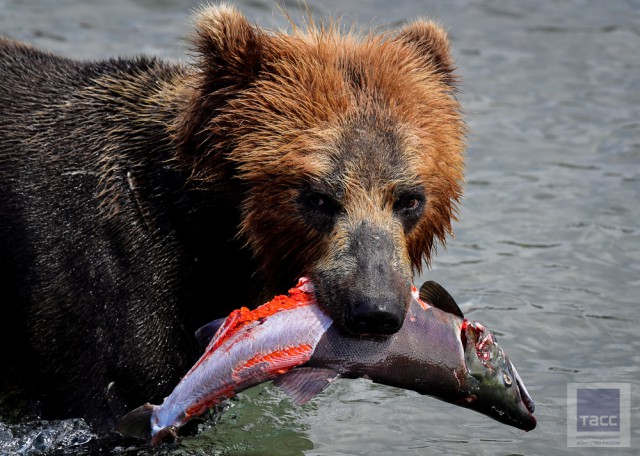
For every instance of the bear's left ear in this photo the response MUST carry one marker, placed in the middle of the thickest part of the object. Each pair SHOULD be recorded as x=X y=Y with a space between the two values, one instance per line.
x=432 y=43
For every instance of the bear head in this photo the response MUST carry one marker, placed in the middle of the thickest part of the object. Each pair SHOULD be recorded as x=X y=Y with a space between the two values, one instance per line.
x=344 y=152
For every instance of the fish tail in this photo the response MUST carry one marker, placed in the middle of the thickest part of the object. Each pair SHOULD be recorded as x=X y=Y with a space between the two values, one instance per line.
x=137 y=423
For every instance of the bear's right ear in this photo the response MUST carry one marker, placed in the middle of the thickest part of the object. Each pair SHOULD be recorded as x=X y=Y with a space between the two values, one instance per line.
x=227 y=45
x=228 y=53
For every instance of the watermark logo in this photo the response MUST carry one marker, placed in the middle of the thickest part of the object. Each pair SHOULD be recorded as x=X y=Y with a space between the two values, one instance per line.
x=598 y=414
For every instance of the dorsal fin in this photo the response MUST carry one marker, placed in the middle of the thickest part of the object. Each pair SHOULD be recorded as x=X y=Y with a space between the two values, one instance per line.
x=435 y=294
x=206 y=333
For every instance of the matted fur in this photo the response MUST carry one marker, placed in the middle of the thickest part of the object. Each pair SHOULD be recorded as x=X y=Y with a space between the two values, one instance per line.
x=139 y=199
x=269 y=108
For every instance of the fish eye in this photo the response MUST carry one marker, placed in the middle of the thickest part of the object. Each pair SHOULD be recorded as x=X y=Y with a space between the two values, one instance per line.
x=507 y=379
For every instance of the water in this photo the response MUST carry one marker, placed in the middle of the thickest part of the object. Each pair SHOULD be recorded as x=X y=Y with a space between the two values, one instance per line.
x=548 y=244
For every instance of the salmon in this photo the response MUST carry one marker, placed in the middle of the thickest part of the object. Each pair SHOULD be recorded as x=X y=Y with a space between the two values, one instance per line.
x=292 y=341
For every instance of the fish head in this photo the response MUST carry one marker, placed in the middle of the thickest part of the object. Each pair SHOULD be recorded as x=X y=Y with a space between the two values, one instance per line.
x=496 y=388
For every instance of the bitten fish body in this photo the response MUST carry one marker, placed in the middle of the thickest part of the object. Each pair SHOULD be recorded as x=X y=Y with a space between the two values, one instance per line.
x=261 y=351
x=437 y=354
x=292 y=340
x=249 y=348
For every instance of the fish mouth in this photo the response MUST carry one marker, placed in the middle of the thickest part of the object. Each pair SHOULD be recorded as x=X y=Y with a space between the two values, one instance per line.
x=521 y=411
x=527 y=421
x=524 y=394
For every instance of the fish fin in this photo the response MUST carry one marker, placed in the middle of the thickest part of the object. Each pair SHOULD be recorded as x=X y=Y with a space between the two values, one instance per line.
x=137 y=423
x=231 y=325
x=303 y=383
x=435 y=294
x=169 y=431
x=206 y=333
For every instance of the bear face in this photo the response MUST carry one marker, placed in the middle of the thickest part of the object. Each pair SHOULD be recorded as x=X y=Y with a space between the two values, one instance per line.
x=344 y=152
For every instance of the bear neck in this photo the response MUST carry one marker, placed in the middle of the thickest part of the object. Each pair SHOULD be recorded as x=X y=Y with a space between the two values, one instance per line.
x=195 y=220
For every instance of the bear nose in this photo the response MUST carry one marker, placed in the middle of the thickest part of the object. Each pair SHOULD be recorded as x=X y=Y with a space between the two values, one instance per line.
x=369 y=316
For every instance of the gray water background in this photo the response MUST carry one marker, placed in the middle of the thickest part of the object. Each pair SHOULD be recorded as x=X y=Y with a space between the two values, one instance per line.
x=547 y=249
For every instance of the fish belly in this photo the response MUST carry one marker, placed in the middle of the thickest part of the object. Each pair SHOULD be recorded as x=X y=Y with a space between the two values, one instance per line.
x=259 y=352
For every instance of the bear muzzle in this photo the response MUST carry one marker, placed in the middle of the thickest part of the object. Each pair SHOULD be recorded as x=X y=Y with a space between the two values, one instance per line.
x=373 y=315
x=366 y=288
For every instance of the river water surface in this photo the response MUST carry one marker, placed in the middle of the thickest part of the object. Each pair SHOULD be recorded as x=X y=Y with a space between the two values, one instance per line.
x=547 y=249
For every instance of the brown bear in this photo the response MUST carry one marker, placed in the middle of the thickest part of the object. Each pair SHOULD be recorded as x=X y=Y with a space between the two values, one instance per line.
x=140 y=199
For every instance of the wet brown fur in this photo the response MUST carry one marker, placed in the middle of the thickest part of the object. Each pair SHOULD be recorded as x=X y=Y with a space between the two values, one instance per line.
x=290 y=98
x=177 y=186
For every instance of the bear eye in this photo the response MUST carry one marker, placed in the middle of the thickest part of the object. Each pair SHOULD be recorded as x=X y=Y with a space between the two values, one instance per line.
x=409 y=207
x=320 y=202
x=319 y=209
x=409 y=203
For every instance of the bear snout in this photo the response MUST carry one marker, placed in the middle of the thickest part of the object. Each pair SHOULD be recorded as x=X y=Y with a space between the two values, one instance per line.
x=367 y=286
x=366 y=314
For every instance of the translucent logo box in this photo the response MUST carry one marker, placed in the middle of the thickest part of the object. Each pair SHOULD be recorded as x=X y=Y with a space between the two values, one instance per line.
x=598 y=414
